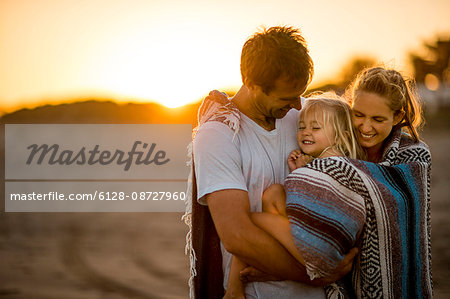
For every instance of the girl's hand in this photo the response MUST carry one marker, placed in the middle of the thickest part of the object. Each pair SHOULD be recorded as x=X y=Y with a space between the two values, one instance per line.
x=303 y=159
x=297 y=159
x=293 y=156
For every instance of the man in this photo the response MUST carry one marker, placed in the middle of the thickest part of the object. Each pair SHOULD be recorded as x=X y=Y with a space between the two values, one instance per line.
x=234 y=166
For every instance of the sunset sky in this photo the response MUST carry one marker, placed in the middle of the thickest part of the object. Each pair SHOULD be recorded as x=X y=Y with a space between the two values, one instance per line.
x=175 y=51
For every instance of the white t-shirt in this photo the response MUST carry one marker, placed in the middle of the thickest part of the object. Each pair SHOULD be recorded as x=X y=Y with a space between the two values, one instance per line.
x=251 y=160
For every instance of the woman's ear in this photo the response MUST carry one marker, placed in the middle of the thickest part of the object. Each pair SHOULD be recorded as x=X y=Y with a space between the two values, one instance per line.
x=398 y=117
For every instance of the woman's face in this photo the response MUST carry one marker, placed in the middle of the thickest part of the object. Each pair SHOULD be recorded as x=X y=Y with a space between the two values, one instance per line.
x=373 y=119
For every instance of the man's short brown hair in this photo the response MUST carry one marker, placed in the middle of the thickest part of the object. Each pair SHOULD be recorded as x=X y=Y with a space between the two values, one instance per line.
x=273 y=53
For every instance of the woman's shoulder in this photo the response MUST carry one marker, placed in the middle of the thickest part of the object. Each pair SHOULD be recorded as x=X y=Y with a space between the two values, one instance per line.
x=406 y=141
x=401 y=148
x=412 y=151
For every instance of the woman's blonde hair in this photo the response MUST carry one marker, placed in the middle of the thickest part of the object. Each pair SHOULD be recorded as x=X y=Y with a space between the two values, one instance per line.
x=337 y=114
x=400 y=92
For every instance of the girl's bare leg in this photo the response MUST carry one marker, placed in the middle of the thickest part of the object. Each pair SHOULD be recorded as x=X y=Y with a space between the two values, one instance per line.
x=279 y=228
x=274 y=220
x=274 y=200
x=235 y=287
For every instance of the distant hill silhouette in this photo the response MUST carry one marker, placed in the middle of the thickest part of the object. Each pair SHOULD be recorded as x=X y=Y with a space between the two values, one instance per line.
x=104 y=111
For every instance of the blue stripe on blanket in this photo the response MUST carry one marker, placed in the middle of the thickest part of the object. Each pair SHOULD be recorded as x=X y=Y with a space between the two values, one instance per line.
x=411 y=182
x=401 y=183
x=385 y=177
x=325 y=220
x=328 y=209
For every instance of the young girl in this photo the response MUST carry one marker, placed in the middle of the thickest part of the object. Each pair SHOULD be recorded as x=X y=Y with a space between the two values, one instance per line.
x=325 y=130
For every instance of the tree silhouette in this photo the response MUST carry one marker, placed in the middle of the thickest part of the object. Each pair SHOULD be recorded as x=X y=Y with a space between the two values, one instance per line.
x=353 y=67
x=436 y=61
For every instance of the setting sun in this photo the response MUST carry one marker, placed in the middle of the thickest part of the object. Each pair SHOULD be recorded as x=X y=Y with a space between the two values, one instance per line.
x=173 y=66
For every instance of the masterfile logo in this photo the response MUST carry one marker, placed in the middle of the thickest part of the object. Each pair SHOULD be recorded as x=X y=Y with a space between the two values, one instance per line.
x=94 y=156
x=96 y=151
x=96 y=168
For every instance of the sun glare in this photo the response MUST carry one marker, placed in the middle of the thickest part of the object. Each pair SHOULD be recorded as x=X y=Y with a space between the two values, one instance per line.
x=171 y=70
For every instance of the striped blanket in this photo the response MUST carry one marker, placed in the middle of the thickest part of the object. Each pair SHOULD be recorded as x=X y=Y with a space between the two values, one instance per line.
x=326 y=217
x=394 y=257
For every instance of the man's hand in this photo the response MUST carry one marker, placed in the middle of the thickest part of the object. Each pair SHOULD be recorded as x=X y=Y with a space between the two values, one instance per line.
x=250 y=274
x=344 y=267
x=230 y=211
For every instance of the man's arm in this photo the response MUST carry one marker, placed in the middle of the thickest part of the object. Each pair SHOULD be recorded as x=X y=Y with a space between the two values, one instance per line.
x=230 y=212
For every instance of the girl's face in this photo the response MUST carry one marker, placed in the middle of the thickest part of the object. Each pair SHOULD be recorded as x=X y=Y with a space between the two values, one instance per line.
x=373 y=120
x=313 y=138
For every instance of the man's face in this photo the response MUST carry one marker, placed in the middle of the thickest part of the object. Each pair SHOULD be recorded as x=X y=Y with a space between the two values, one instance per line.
x=280 y=100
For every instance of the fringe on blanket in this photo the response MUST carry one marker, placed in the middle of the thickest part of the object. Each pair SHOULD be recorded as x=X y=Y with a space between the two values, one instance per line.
x=333 y=291
x=215 y=107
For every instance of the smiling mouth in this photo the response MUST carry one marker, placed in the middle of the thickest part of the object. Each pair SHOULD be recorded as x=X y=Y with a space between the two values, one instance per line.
x=367 y=135
x=307 y=142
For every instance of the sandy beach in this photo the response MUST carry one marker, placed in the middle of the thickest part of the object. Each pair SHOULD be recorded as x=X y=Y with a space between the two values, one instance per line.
x=93 y=255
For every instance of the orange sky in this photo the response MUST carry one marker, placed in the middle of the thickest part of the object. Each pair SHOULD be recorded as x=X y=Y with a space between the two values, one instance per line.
x=174 y=52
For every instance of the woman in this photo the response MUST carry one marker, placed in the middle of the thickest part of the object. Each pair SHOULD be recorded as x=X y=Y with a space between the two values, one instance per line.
x=395 y=259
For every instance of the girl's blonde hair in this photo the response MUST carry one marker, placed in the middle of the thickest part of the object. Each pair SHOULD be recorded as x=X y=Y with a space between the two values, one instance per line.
x=337 y=114
x=401 y=94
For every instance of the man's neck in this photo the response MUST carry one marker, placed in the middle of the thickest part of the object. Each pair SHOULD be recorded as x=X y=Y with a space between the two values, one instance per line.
x=246 y=104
